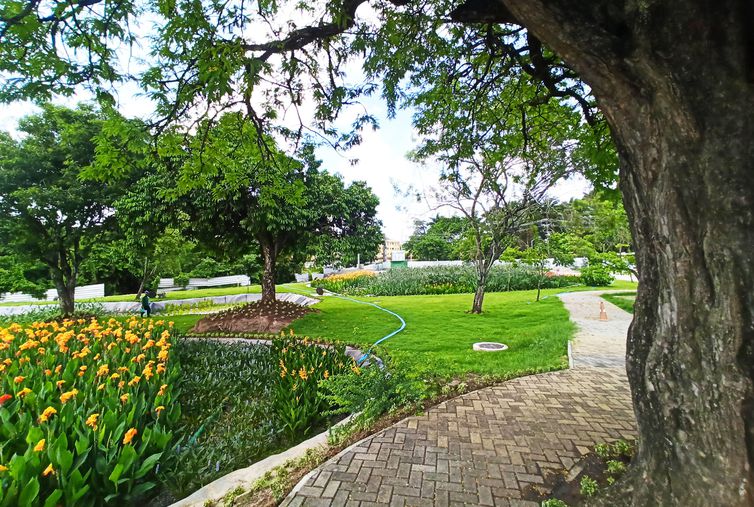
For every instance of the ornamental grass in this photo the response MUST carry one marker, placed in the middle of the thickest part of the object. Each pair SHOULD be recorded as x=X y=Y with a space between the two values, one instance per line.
x=86 y=410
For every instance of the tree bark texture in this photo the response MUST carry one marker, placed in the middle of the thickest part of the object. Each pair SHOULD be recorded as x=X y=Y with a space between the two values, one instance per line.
x=676 y=82
x=66 y=292
x=476 y=307
x=269 y=255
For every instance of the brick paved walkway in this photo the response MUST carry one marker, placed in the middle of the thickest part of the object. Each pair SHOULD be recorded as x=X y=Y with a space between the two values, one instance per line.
x=483 y=448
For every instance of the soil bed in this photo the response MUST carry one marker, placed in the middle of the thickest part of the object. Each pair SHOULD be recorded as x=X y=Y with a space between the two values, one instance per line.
x=256 y=317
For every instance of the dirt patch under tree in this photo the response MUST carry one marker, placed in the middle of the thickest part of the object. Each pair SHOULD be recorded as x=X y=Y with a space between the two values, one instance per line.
x=256 y=317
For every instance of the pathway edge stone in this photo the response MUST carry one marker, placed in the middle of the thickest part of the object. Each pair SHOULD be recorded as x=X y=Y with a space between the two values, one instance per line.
x=246 y=477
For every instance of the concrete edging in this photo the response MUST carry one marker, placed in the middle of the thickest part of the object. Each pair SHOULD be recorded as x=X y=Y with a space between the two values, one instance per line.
x=246 y=477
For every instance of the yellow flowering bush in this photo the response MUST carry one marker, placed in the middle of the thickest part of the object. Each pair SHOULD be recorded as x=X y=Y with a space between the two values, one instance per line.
x=86 y=409
x=350 y=282
x=301 y=367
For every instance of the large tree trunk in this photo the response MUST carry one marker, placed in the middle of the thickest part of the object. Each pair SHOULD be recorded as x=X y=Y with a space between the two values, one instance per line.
x=676 y=82
x=269 y=255
x=66 y=291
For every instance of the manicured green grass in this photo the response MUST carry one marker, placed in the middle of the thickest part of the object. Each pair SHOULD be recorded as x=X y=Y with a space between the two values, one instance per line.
x=623 y=300
x=439 y=334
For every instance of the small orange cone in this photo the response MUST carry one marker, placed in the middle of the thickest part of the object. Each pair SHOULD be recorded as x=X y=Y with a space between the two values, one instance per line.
x=603 y=314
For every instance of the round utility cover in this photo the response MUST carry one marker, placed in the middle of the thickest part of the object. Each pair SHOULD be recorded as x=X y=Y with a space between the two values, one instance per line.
x=490 y=346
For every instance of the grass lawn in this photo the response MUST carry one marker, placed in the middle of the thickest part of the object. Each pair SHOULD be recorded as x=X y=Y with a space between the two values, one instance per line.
x=623 y=300
x=439 y=333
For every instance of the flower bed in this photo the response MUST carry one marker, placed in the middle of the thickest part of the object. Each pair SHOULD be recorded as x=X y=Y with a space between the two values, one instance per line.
x=86 y=411
x=243 y=402
x=440 y=280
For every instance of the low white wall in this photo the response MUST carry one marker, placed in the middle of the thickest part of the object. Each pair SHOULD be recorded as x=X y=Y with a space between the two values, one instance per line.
x=82 y=292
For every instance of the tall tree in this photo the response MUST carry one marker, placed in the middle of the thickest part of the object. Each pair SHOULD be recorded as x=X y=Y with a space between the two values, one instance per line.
x=674 y=82
x=238 y=195
x=48 y=213
x=437 y=240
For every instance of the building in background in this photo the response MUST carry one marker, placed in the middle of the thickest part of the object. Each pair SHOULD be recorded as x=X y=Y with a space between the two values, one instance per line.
x=386 y=250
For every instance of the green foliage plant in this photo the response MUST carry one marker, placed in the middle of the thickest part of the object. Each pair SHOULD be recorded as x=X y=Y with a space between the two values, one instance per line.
x=588 y=486
x=301 y=366
x=596 y=276
x=372 y=393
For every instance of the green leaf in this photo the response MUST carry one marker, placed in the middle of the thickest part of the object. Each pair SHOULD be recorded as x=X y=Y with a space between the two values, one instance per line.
x=29 y=494
x=115 y=475
x=52 y=498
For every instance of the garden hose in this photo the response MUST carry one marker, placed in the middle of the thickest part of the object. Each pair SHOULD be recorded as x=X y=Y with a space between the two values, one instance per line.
x=366 y=354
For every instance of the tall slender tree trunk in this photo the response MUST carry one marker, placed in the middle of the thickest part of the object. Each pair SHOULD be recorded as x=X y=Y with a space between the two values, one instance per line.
x=481 y=286
x=269 y=256
x=676 y=83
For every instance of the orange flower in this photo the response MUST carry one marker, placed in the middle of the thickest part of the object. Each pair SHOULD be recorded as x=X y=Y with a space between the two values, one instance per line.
x=124 y=398
x=159 y=409
x=40 y=446
x=327 y=374
x=48 y=372
x=49 y=470
x=23 y=392
x=5 y=398
x=48 y=412
x=19 y=379
x=134 y=381
x=91 y=421
x=163 y=355
x=103 y=370
x=161 y=392
x=114 y=376
x=130 y=434
x=66 y=397
x=3 y=468
x=59 y=383
x=161 y=368
x=58 y=368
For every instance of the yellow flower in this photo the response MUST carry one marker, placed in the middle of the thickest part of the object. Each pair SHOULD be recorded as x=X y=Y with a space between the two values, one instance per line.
x=59 y=383
x=48 y=372
x=114 y=376
x=100 y=387
x=159 y=409
x=130 y=434
x=66 y=397
x=19 y=379
x=91 y=421
x=49 y=470
x=48 y=412
x=134 y=381
x=40 y=446
x=161 y=368
x=124 y=398
x=302 y=373
x=161 y=392
x=3 y=468
x=23 y=392
x=121 y=384
x=327 y=374
x=163 y=355
x=103 y=370
x=58 y=368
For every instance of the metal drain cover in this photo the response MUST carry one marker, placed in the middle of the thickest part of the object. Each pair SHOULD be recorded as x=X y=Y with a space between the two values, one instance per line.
x=490 y=346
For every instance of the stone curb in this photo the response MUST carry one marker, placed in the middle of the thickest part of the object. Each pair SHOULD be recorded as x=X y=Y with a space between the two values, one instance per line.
x=246 y=477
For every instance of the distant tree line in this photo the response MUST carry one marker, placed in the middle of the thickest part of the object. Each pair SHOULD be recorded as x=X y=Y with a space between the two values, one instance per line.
x=89 y=196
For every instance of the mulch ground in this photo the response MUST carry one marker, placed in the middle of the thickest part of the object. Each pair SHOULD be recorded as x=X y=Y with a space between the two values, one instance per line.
x=256 y=317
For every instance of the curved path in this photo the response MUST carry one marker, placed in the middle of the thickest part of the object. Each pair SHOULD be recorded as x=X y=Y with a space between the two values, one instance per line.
x=486 y=447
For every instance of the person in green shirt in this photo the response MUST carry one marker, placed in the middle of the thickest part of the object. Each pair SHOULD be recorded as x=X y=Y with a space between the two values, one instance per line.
x=145 y=304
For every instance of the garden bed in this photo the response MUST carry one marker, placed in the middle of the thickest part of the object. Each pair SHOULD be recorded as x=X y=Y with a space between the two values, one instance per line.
x=257 y=317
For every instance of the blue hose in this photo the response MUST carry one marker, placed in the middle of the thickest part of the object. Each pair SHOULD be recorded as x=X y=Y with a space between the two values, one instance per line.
x=366 y=355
